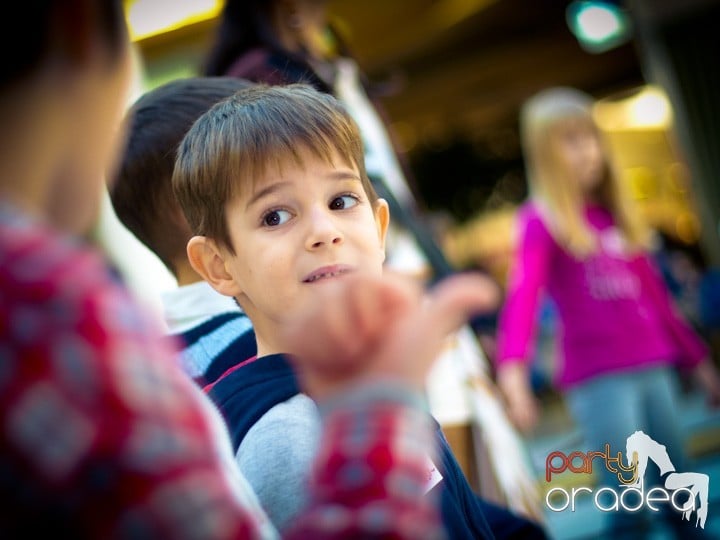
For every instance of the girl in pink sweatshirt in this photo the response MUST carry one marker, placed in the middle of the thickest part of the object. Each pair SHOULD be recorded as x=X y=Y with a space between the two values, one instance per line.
x=619 y=334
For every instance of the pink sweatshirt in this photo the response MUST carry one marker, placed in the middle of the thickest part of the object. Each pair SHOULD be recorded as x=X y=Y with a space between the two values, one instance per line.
x=614 y=310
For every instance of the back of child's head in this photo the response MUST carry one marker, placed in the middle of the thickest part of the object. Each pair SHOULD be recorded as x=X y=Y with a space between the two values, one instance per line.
x=240 y=139
x=141 y=192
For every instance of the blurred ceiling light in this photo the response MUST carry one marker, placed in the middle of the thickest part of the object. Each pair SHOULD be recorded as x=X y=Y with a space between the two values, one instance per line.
x=147 y=18
x=644 y=108
x=598 y=26
x=650 y=108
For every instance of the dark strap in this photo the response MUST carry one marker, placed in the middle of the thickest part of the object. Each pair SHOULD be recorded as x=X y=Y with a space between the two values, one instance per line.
x=441 y=268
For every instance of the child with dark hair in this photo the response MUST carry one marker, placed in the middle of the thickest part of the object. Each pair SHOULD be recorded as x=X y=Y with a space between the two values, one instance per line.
x=213 y=330
x=101 y=434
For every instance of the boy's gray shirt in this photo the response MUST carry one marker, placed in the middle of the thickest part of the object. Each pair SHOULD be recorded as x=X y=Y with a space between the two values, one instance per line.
x=286 y=437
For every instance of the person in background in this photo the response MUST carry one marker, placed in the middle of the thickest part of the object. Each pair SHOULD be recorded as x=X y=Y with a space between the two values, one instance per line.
x=620 y=334
x=214 y=332
x=294 y=41
x=101 y=433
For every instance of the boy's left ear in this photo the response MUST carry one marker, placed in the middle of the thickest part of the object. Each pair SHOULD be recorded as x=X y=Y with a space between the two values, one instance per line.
x=381 y=211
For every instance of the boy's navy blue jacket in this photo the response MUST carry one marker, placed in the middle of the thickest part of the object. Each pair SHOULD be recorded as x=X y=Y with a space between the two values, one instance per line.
x=246 y=394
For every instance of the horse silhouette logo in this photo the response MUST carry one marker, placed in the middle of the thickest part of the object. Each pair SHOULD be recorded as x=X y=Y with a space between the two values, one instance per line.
x=640 y=447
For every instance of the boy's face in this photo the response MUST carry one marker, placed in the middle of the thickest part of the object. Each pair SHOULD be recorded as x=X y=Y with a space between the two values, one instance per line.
x=297 y=230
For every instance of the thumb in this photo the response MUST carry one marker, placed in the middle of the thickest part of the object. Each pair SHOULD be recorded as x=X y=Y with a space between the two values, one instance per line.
x=447 y=307
x=456 y=299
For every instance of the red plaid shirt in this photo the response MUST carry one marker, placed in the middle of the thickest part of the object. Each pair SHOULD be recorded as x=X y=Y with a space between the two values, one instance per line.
x=103 y=436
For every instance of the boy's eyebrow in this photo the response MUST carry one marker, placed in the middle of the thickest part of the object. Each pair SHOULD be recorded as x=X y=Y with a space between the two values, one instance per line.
x=267 y=190
x=343 y=175
x=276 y=186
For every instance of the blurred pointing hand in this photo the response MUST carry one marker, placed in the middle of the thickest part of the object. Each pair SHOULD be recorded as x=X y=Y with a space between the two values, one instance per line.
x=364 y=328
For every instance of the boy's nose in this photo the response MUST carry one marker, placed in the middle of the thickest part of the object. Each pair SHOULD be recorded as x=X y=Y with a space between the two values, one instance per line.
x=323 y=230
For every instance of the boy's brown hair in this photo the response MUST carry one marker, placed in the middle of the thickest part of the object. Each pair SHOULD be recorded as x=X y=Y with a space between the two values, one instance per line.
x=235 y=142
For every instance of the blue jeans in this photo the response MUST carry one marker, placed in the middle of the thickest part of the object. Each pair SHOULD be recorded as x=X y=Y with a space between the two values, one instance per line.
x=609 y=408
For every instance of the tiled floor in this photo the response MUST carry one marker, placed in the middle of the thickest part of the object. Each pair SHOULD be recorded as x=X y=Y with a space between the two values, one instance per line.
x=702 y=427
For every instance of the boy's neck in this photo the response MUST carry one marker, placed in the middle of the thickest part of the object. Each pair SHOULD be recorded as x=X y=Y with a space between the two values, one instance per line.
x=266 y=347
x=265 y=350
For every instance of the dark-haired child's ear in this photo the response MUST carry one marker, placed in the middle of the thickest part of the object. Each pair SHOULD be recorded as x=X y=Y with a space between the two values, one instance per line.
x=208 y=260
x=381 y=211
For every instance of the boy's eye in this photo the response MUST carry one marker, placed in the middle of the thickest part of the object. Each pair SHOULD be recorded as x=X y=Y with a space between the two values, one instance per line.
x=275 y=218
x=343 y=202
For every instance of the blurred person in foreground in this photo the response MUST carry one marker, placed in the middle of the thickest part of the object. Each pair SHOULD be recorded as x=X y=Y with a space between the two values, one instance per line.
x=294 y=41
x=621 y=337
x=101 y=434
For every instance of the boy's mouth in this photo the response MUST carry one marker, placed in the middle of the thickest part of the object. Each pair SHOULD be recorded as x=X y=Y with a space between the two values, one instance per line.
x=327 y=272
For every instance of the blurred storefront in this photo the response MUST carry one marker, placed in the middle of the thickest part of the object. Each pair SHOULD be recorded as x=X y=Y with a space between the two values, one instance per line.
x=637 y=125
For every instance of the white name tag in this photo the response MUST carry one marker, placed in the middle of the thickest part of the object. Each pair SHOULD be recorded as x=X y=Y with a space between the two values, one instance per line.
x=433 y=476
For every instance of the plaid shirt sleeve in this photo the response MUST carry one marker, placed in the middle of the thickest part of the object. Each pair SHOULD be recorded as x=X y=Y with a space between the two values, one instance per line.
x=103 y=436
x=101 y=433
x=372 y=471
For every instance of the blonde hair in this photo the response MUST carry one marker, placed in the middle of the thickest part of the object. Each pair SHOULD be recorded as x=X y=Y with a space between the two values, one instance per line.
x=560 y=199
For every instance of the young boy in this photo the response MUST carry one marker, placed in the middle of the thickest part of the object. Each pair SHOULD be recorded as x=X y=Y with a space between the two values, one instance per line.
x=273 y=183
x=214 y=333
x=101 y=434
